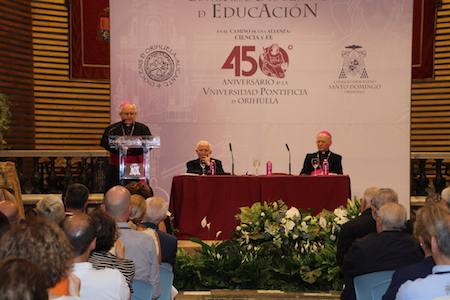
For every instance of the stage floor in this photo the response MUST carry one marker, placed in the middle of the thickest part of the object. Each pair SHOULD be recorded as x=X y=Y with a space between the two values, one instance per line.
x=255 y=294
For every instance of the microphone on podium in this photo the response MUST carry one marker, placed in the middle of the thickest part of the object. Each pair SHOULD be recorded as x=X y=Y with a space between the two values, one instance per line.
x=232 y=160
x=287 y=147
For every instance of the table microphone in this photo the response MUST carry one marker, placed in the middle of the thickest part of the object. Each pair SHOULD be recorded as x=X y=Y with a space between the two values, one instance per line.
x=232 y=160
x=287 y=147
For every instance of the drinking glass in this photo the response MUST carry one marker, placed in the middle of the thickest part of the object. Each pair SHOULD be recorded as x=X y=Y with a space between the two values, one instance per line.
x=315 y=164
x=203 y=165
x=256 y=164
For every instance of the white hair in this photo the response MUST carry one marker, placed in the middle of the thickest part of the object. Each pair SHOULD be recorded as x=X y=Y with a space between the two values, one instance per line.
x=128 y=104
x=51 y=207
x=204 y=142
x=156 y=209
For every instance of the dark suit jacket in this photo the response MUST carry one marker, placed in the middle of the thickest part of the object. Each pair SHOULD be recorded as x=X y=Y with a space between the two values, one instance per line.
x=352 y=230
x=387 y=250
x=116 y=129
x=409 y=225
x=112 y=176
x=193 y=166
x=168 y=242
x=334 y=161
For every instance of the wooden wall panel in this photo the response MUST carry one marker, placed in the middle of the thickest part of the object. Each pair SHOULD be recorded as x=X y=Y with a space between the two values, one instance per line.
x=430 y=98
x=16 y=70
x=73 y=113
x=69 y=113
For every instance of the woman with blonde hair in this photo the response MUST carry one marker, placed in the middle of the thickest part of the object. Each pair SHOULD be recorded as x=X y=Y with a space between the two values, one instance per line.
x=138 y=211
x=51 y=208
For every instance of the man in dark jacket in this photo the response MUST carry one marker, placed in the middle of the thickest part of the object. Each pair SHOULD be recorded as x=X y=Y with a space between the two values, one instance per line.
x=204 y=153
x=127 y=127
x=323 y=145
x=387 y=249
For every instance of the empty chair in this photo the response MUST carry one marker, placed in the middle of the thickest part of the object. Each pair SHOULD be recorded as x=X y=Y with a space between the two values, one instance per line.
x=141 y=290
x=372 y=286
x=166 y=275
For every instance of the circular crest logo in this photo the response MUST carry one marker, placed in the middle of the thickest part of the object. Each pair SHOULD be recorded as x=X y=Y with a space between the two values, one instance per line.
x=274 y=61
x=158 y=66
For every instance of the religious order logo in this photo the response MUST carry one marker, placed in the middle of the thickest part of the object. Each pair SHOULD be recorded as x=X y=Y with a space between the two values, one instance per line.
x=158 y=66
x=353 y=62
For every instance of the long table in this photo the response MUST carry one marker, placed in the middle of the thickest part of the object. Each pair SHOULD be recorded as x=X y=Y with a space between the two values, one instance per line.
x=218 y=198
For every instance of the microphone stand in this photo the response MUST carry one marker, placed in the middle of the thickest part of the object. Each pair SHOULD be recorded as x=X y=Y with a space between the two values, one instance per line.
x=232 y=160
x=287 y=147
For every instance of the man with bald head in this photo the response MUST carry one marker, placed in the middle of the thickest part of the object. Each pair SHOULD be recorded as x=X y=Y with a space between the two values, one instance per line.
x=11 y=211
x=95 y=284
x=387 y=249
x=204 y=151
x=139 y=247
x=323 y=145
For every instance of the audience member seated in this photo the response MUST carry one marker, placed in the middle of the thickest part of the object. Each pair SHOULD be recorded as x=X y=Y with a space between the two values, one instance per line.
x=5 y=226
x=358 y=227
x=46 y=245
x=11 y=211
x=387 y=249
x=137 y=187
x=107 y=235
x=383 y=196
x=107 y=284
x=139 y=247
x=204 y=151
x=76 y=198
x=138 y=209
x=51 y=208
x=156 y=212
x=436 y=284
x=431 y=198
x=424 y=229
x=323 y=146
x=22 y=279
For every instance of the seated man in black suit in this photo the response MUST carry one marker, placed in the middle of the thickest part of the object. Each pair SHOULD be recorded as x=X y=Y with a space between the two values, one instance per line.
x=387 y=249
x=204 y=153
x=323 y=144
x=359 y=227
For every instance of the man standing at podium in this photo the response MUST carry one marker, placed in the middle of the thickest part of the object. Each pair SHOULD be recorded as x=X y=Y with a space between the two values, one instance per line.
x=127 y=127
x=323 y=145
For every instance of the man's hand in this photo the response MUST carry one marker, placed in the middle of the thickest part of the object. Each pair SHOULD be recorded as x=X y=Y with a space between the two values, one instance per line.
x=207 y=159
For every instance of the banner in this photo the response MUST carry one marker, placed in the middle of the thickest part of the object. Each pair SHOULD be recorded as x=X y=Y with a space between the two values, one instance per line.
x=89 y=24
x=424 y=31
x=260 y=74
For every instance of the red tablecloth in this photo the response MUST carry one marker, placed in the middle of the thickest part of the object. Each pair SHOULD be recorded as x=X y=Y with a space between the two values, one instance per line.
x=218 y=198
